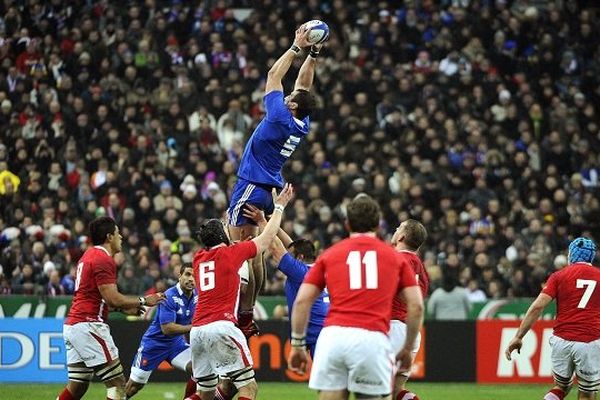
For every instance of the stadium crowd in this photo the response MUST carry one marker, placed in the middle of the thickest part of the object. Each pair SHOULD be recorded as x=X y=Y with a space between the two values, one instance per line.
x=478 y=118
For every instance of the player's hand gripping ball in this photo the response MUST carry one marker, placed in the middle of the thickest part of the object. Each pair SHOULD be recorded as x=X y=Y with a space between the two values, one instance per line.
x=319 y=31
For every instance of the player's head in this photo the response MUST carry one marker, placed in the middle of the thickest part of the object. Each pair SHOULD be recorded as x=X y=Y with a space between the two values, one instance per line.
x=410 y=235
x=362 y=214
x=186 y=277
x=301 y=103
x=212 y=233
x=303 y=249
x=582 y=250
x=104 y=231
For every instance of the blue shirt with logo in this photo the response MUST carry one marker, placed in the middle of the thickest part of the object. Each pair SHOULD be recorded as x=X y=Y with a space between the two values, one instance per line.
x=272 y=142
x=177 y=308
x=295 y=270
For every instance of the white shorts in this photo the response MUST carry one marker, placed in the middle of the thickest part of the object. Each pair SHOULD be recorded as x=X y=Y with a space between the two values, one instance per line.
x=180 y=362
x=579 y=357
x=89 y=342
x=397 y=335
x=355 y=359
x=218 y=348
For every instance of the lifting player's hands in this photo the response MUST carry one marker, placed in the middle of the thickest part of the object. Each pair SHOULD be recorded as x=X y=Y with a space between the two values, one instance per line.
x=284 y=196
x=404 y=360
x=154 y=299
x=255 y=214
x=298 y=360
x=514 y=344
x=301 y=39
x=137 y=311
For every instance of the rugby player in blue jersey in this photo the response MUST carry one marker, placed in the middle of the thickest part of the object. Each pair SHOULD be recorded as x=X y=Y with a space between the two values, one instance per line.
x=165 y=338
x=294 y=258
x=285 y=125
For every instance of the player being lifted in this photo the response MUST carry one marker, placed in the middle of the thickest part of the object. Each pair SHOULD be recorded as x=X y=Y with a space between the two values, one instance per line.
x=90 y=347
x=575 y=340
x=218 y=347
x=164 y=339
x=286 y=123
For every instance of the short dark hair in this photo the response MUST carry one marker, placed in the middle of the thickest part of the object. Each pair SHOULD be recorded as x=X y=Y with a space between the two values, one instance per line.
x=184 y=266
x=415 y=233
x=306 y=103
x=212 y=233
x=304 y=247
x=100 y=228
x=363 y=214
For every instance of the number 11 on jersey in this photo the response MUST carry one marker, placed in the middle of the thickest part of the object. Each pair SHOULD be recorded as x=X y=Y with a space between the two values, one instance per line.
x=355 y=264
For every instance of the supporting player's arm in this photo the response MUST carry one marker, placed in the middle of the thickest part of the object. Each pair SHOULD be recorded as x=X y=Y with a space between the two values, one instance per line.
x=256 y=215
x=414 y=318
x=114 y=299
x=282 y=65
x=263 y=240
x=172 y=328
x=533 y=314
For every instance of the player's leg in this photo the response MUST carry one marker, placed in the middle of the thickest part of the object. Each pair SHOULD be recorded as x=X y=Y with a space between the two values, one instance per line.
x=146 y=360
x=225 y=390
x=80 y=377
x=111 y=374
x=329 y=374
x=563 y=368
x=181 y=358
x=334 y=395
x=586 y=357
x=397 y=335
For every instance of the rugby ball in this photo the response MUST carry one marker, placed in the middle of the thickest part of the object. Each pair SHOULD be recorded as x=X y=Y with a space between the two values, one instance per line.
x=319 y=31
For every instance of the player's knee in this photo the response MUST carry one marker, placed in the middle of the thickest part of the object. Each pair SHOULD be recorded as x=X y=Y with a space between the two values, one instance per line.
x=207 y=383
x=249 y=390
x=131 y=388
x=587 y=389
x=77 y=389
x=563 y=383
x=79 y=379
x=243 y=378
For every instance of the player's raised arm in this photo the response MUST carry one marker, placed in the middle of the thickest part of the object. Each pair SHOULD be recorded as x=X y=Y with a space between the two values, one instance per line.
x=533 y=314
x=282 y=65
x=307 y=71
x=263 y=240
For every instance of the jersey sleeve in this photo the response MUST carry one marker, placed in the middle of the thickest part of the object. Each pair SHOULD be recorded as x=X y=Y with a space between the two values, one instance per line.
x=551 y=287
x=316 y=275
x=105 y=272
x=241 y=252
x=295 y=270
x=275 y=107
x=167 y=312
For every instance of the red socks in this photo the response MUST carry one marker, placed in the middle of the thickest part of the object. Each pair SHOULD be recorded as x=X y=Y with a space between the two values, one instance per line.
x=406 y=395
x=555 y=394
x=244 y=398
x=66 y=395
x=193 y=397
x=220 y=395
x=190 y=388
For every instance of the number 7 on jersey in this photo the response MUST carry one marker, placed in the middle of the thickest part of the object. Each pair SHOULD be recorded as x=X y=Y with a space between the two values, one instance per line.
x=589 y=286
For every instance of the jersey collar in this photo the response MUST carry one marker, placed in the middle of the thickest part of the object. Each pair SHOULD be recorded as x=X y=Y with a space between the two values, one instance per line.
x=103 y=249
x=406 y=251
x=363 y=234
x=178 y=286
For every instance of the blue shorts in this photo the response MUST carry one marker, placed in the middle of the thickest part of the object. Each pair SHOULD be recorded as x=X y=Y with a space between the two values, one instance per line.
x=311 y=349
x=151 y=353
x=247 y=192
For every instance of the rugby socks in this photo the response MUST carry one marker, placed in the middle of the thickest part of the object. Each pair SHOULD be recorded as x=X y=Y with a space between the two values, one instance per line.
x=406 y=395
x=193 y=397
x=244 y=398
x=66 y=395
x=555 y=394
x=190 y=388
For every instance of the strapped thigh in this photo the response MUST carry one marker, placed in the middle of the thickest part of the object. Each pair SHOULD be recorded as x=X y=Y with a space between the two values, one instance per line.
x=242 y=377
x=587 y=386
x=561 y=380
x=207 y=383
x=81 y=374
x=107 y=372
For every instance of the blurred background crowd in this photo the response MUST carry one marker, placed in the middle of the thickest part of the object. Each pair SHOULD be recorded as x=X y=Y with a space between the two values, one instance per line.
x=478 y=118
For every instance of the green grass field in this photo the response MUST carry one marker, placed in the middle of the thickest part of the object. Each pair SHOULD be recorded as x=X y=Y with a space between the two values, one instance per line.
x=295 y=391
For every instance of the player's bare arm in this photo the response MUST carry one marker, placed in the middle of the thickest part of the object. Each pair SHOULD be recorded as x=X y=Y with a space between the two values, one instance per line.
x=277 y=249
x=114 y=299
x=414 y=318
x=264 y=240
x=306 y=75
x=307 y=295
x=175 y=329
x=283 y=64
x=533 y=314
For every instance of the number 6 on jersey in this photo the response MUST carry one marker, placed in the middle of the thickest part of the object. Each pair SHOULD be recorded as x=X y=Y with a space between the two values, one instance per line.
x=356 y=271
x=207 y=275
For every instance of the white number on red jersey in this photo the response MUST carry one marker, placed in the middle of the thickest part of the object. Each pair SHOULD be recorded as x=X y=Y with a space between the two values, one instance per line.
x=355 y=263
x=589 y=286
x=78 y=278
x=207 y=275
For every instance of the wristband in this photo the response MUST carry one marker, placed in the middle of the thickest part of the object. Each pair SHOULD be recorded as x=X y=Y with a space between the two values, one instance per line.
x=298 y=340
x=142 y=300
x=295 y=49
x=279 y=207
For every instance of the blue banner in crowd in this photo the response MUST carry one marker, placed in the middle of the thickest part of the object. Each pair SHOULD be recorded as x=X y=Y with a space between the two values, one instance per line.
x=32 y=350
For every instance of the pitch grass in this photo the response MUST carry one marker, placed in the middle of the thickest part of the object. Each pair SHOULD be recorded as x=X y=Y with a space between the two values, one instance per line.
x=293 y=391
